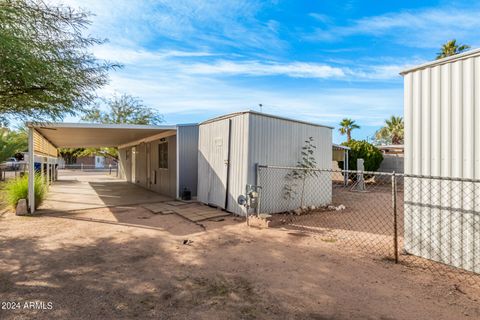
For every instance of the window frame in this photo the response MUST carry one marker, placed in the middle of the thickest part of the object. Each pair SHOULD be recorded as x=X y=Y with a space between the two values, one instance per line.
x=163 y=155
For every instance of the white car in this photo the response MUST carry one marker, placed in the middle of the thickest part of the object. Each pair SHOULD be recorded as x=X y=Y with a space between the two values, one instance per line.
x=11 y=164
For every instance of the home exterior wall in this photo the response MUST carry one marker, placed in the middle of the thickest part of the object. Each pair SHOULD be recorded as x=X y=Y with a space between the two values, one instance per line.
x=187 y=154
x=124 y=164
x=257 y=139
x=147 y=172
x=442 y=138
x=164 y=181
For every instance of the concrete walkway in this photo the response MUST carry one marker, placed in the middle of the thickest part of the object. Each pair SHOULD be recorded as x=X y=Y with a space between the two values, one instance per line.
x=87 y=190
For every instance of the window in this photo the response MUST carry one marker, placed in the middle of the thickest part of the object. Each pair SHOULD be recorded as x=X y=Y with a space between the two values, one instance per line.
x=163 y=155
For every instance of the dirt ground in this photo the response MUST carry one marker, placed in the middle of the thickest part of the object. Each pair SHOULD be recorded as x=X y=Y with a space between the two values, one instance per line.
x=88 y=266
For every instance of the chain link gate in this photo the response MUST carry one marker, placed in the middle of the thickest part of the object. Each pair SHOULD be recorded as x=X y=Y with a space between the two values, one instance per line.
x=428 y=222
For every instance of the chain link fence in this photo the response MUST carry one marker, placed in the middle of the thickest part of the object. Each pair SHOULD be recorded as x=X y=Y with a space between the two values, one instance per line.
x=420 y=221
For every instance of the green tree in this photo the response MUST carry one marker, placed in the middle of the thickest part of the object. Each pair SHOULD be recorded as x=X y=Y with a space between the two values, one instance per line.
x=392 y=132
x=362 y=150
x=47 y=70
x=70 y=155
x=451 y=48
x=124 y=109
x=11 y=142
x=120 y=110
x=346 y=127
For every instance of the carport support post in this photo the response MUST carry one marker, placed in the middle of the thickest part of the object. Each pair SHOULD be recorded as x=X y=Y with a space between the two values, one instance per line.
x=31 y=171
x=48 y=171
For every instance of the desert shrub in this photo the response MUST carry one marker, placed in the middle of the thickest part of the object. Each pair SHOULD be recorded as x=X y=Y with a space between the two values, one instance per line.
x=17 y=189
x=371 y=155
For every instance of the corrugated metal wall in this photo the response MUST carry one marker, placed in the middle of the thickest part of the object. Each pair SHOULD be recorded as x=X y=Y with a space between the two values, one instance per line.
x=213 y=152
x=257 y=139
x=279 y=142
x=442 y=138
x=187 y=153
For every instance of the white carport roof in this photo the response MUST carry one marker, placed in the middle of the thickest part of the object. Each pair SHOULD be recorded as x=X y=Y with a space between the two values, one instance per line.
x=76 y=135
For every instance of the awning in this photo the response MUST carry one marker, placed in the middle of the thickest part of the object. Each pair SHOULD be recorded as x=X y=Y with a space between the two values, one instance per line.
x=45 y=138
x=77 y=135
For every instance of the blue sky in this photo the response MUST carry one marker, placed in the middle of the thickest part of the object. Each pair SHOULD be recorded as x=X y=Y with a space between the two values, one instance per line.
x=319 y=61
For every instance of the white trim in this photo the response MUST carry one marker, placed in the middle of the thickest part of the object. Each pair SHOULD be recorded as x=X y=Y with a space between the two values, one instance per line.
x=157 y=136
x=31 y=171
x=231 y=115
x=339 y=146
x=53 y=125
x=177 y=160
x=460 y=56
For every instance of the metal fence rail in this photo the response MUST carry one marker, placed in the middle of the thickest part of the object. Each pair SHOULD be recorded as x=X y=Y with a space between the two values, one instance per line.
x=424 y=221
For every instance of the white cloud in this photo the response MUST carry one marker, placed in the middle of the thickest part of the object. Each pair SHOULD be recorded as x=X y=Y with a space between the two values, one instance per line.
x=422 y=28
x=194 y=23
x=257 y=68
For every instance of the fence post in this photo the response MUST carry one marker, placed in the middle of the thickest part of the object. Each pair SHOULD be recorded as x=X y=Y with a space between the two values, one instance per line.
x=257 y=183
x=395 y=222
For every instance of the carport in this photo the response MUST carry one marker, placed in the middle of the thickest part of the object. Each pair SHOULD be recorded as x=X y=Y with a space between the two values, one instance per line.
x=46 y=138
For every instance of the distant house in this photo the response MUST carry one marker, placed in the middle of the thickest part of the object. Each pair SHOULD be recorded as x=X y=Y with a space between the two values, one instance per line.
x=393 y=158
x=89 y=162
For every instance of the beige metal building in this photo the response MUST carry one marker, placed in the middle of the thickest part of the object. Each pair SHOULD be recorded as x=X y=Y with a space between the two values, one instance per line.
x=442 y=139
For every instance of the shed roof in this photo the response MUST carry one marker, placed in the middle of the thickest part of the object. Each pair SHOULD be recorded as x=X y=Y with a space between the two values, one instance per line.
x=234 y=114
x=460 y=56
x=339 y=147
x=75 y=135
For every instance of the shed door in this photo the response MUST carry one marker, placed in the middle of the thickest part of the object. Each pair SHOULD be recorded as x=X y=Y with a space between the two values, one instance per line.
x=218 y=163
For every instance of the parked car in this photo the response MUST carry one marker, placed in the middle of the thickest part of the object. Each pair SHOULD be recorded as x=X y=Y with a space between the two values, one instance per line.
x=11 y=164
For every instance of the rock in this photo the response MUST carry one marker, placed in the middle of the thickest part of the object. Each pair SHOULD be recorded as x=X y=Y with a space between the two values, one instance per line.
x=311 y=208
x=332 y=208
x=22 y=208
x=304 y=208
x=298 y=211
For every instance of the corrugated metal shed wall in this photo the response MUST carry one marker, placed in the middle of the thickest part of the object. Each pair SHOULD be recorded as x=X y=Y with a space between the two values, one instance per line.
x=213 y=138
x=264 y=140
x=279 y=142
x=187 y=148
x=238 y=161
x=442 y=138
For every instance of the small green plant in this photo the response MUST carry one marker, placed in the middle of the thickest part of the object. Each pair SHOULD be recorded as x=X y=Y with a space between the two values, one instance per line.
x=371 y=155
x=306 y=166
x=17 y=189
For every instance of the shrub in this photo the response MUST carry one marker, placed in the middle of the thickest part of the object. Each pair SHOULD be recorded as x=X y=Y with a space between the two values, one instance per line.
x=17 y=189
x=362 y=150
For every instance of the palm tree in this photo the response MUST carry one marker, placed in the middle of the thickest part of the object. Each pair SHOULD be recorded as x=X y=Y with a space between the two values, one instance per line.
x=392 y=132
x=346 y=127
x=451 y=48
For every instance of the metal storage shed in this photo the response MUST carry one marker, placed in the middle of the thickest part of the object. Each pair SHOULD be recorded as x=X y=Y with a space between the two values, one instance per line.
x=442 y=138
x=231 y=146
